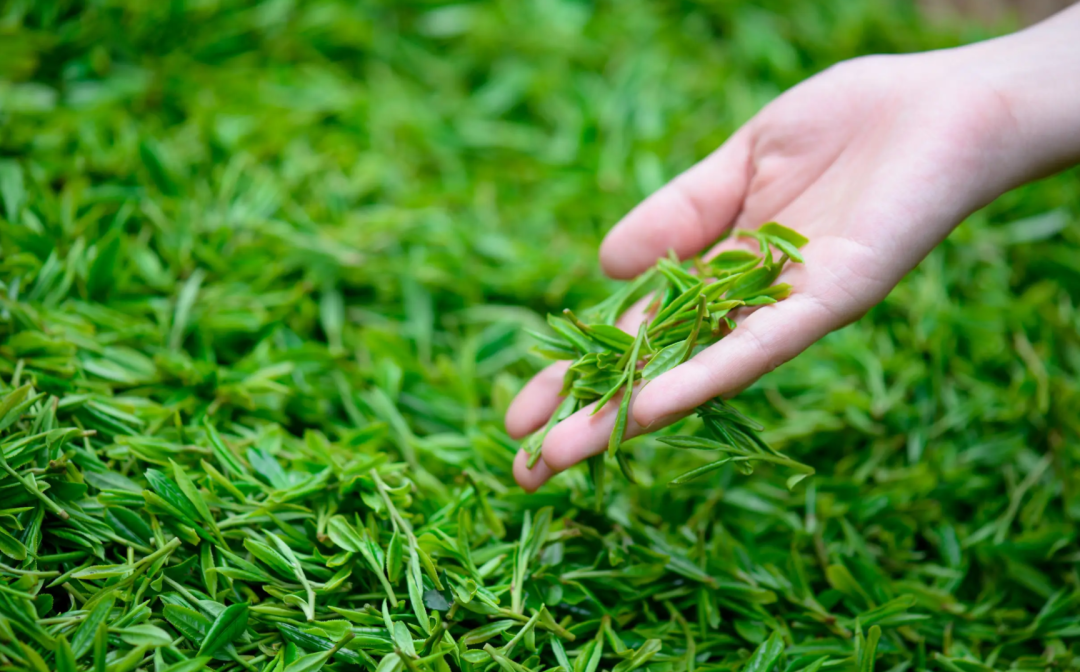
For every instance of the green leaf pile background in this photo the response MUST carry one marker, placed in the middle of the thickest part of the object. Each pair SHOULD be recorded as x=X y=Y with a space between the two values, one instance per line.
x=265 y=271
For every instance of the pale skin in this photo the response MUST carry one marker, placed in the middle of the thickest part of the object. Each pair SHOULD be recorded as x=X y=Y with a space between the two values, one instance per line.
x=876 y=161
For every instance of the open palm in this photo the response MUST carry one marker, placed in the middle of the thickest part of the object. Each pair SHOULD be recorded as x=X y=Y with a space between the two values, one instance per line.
x=874 y=160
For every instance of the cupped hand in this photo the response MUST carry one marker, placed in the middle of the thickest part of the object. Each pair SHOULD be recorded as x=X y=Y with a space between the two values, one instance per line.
x=874 y=160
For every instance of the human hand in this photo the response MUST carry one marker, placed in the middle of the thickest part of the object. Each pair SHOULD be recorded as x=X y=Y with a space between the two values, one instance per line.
x=875 y=161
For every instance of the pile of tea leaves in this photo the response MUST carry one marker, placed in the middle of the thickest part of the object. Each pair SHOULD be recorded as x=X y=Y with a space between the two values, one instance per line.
x=687 y=306
x=266 y=276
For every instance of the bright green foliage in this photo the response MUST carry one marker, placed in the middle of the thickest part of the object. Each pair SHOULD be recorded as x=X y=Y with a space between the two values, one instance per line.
x=688 y=306
x=264 y=277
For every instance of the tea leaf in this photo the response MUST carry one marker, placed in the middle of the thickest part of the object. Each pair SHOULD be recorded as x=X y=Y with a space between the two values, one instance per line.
x=699 y=472
x=225 y=629
x=619 y=431
x=267 y=280
x=663 y=361
x=766 y=656
x=83 y=639
x=145 y=634
x=65 y=656
x=777 y=232
x=11 y=547
x=188 y=622
x=192 y=665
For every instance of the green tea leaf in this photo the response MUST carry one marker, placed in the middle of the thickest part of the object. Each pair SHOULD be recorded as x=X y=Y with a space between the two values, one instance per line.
x=225 y=629
x=192 y=665
x=869 y=653
x=734 y=261
x=664 y=361
x=640 y=657
x=188 y=622
x=619 y=431
x=612 y=336
x=101 y=646
x=767 y=655
x=145 y=635
x=699 y=472
x=103 y=270
x=65 y=656
x=12 y=189
x=169 y=491
x=192 y=494
x=782 y=233
x=276 y=264
x=11 y=547
x=83 y=639
x=270 y=558
x=752 y=283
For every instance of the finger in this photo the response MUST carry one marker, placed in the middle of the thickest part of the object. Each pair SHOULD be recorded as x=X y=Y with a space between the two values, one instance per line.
x=583 y=434
x=686 y=215
x=530 y=479
x=535 y=403
x=766 y=339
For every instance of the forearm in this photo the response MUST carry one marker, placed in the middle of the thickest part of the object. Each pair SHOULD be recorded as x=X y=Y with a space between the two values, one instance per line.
x=1036 y=73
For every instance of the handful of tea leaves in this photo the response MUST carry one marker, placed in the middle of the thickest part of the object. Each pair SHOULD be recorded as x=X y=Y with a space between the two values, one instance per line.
x=691 y=311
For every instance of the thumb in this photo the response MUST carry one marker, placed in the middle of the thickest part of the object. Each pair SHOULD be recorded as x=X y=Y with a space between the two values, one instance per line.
x=686 y=215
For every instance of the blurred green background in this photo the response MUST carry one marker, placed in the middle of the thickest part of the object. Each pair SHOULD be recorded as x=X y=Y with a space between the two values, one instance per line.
x=371 y=200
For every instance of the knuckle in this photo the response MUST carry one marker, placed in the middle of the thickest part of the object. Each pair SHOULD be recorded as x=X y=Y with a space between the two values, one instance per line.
x=765 y=354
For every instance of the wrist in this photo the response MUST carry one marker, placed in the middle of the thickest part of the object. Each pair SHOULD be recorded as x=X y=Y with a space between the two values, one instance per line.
x=1034 y=76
